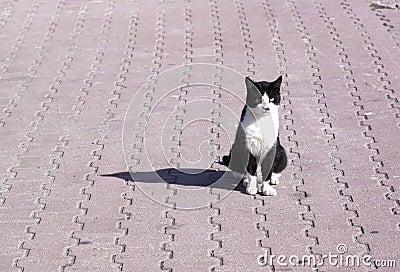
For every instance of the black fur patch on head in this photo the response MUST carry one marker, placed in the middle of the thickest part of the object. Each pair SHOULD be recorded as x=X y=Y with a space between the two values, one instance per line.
x=255 y=90
x=272 y=89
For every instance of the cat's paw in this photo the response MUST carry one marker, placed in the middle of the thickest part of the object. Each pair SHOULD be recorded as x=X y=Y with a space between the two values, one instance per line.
x=251 y=187
x=268 y=190
x=275 y=178
x=251 y=190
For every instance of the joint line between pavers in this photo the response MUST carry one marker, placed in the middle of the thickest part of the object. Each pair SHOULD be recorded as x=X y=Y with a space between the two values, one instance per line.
x=32 y=70
x=12 y=54
x=351 y=84
x=35 y=124
x=6 y=14
x=373 y=52
x=324 y=111
x=217 y=42
x=295 y=160
x=245 y=32
x=386 y=21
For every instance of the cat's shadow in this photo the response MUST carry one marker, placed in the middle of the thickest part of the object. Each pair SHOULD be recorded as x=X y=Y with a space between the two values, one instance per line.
x=183 y=177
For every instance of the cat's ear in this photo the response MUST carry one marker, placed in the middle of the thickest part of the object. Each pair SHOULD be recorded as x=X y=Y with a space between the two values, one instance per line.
x=277 y=83
x=253 y=94
x=252 y=90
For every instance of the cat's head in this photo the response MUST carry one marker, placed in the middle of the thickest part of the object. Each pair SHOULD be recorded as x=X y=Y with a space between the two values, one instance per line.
x=263 y=96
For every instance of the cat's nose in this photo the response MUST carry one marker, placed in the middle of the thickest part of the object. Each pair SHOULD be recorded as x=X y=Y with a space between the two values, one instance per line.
x=266 y=108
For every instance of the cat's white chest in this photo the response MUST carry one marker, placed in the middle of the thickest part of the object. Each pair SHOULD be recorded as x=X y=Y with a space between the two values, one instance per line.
x=261 y=133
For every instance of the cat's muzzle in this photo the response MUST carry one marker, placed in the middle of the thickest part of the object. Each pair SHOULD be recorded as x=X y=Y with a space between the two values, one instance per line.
x=265 y=109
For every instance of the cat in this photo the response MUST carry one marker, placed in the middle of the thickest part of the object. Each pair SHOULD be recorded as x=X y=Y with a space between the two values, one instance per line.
x=257 y=155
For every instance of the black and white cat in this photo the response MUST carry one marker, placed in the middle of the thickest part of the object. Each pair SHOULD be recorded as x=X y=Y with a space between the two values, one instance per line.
x=257 y=154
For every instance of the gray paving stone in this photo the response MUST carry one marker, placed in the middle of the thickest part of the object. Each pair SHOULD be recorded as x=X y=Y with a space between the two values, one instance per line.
x=68 y=72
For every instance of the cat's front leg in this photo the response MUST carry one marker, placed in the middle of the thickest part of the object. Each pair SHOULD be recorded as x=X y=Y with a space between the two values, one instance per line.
x=266 y=169
x=251 y=186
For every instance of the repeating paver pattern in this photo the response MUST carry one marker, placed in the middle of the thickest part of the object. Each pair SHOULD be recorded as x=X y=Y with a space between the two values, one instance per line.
x=69 y=71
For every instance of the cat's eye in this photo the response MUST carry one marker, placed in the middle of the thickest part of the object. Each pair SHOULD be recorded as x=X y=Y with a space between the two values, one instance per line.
x=271 y=99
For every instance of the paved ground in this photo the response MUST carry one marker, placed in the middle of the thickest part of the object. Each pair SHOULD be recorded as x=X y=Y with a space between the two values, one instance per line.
x=68 y=71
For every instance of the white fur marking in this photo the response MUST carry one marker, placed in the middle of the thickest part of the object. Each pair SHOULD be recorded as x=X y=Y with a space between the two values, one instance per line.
x=268 y=190
x=252 y=184
x=260 y=136
x=275 y=178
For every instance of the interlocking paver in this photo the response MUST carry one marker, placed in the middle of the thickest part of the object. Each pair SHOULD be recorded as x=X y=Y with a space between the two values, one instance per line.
x=68 y=72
